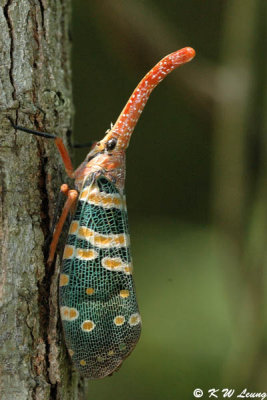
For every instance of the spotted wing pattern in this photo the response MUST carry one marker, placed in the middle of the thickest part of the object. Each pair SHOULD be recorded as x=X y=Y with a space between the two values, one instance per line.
x=97 y=297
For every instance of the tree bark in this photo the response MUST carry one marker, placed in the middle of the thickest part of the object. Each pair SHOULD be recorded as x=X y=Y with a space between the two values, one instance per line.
x=35 y=78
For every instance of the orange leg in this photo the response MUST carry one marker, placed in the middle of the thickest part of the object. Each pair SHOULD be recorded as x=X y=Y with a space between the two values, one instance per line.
x=72 y=196
x=65 y=156
x=59 y=143
x=65 y=190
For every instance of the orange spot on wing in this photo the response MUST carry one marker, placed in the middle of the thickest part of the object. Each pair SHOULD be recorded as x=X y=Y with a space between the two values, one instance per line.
x=94 y=198
x=128 y=269
x=102 y=240
x=73 y=227
x=120 y=240
x=104 y=199
x=63 y=280
x=88 y=254
x=134 y=319
x=73 y=313
x=116 y=264
x=84 y=194
x=90 y=291
x=117 y=201
x=84 y=232
x=112 y=263
x=88 y=326
x=66 y=313
x=83 y=362
x=68 y=252
x=124 y=293
x=119 y=320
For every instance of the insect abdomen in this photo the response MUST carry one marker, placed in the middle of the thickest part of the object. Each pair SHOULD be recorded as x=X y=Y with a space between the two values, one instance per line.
x=97 y=297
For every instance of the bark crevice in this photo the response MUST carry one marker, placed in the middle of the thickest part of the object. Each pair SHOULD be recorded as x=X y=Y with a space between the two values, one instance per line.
x=11 y=36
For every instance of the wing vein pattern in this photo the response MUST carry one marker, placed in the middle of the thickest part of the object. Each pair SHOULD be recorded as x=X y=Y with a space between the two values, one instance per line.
x=98 y=306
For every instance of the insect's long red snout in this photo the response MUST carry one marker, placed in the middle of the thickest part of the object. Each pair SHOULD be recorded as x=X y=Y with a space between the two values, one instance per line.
x=129 y=116
x=108 y=154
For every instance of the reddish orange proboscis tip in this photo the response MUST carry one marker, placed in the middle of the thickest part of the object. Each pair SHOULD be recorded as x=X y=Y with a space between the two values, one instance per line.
x=129 y=116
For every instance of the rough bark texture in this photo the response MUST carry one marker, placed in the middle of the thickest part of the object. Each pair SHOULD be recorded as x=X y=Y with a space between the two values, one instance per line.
x=36 y=93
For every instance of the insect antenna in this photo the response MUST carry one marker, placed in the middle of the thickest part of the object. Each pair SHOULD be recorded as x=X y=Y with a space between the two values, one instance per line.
x=50 y=136
x=58 y=141
x=82 y=145
x=33 y=132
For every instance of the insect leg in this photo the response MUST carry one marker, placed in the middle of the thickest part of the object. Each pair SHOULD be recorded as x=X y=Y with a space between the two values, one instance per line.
x=58 y=141
x=69 y=206
x=65 y=190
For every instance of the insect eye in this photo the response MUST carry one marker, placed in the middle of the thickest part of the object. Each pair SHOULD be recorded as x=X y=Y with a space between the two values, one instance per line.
x=111 y=144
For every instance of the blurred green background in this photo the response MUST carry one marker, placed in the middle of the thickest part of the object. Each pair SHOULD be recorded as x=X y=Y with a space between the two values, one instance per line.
x=196 y=186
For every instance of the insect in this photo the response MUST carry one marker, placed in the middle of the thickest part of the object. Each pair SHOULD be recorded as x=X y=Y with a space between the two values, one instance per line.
x=97 y=299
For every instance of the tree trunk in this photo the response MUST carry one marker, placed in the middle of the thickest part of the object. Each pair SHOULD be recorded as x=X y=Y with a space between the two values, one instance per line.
x=36 y=93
